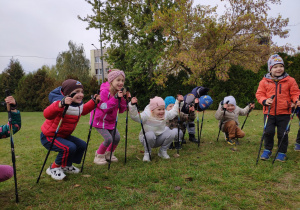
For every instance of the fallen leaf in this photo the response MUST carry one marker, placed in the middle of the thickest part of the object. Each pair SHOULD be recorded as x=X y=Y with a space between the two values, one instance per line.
x=138 y=158
x=233 y=149
x=141 y=151
x=177 y=188
x=176 y=155
x=108 y=188
x=76 y=185
x=86 y=175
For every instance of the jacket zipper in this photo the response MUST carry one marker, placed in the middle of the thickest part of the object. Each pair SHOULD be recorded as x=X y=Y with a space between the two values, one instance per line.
x=276 y=97
x=279 y=88
x=288 y=108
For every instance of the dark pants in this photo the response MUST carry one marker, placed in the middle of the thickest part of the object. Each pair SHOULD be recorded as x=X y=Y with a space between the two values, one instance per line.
x=298 y=135
x=281 y=122
x=70 y=150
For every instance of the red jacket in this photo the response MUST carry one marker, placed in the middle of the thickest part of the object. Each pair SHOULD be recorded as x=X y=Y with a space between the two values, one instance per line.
x=53 y=115
x=286 y=91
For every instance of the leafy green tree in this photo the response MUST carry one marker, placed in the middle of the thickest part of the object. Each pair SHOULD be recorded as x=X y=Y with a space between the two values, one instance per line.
x=133 y=46
x=33 y=90
x=203 y=43
x=11 y=76
x=72 y=63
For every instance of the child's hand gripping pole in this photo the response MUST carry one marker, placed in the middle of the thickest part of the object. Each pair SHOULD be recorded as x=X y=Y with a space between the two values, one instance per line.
x=55 y=134
x=114 y=131
x=221 y=123
x=143 y=129
x=286 y=130
x=94 y=98
x=263 y=135
x=12 y=146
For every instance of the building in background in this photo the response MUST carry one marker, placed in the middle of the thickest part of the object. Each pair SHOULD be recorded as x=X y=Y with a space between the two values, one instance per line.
x=96 y=66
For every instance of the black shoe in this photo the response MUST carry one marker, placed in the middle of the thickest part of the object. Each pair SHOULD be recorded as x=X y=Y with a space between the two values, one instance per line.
x=177 y=145
x=192 y=138
x=171 y=146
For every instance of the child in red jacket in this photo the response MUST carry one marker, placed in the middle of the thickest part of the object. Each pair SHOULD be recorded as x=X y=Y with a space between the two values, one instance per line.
x=70 y=148
x=277 y=82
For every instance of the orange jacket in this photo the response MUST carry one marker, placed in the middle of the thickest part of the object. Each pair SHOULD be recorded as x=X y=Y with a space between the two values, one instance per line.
x=286 y=90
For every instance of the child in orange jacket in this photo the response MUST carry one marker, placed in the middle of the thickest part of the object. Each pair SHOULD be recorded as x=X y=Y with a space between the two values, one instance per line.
x=277 y=82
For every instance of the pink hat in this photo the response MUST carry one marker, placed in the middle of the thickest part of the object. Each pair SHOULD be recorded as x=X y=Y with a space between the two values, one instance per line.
x=155 y=102
x=114 y=74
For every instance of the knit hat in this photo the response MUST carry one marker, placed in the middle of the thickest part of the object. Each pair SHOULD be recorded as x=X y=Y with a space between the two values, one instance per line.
x=156 y=102
x=69 y=85
x=273 y=60
x=114 y=74
x=205 y=101
x=231 y=100
x=169 y=100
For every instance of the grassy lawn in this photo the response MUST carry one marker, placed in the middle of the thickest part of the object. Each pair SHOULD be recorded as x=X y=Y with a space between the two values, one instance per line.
x=211 y=177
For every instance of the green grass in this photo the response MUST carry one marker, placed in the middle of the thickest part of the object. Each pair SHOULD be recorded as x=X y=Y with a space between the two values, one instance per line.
x=210 y=177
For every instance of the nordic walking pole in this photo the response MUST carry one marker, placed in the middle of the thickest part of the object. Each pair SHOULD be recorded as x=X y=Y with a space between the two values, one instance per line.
x=13 y=157
x=143 y=129
x=250 y=109
x=264 y=131
x=247 y=116
x=90 y=130
x=201 y=128
x=126 y=129
x=222 y=121
x=287 y=130
x=178 y=124
x=54 y=137
x=114 y=132
x=198 y=131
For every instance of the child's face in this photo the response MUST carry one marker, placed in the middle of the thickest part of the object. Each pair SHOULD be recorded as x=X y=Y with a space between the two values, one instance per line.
x=118 y=83
x=79 y=95
x=169 y=107
x=230 y=107
x=277 y=70
x=159 y=112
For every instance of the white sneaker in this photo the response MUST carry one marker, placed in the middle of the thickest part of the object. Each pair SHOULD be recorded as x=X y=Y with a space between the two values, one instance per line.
x=71 y=170
x=100 y=159
x=113 y=158
x=146 y=157
x=163 y=154
x=56 y=173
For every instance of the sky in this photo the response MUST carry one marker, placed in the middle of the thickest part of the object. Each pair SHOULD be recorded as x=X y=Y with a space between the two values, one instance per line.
x=36 y=31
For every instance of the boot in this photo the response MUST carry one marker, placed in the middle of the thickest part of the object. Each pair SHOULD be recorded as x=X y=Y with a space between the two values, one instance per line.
x=146 y=157
x=100 y=159
x=192 y=138
x=113 y=158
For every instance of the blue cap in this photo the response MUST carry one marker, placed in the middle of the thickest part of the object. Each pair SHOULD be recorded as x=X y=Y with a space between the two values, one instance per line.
x=169 y=100
x=205 y=101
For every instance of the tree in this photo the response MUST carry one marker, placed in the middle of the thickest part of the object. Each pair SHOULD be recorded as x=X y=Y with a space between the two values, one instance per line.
x=134 y=47
x=202 y=43
x=11 y=77
x=33 y=90
x=72 y=63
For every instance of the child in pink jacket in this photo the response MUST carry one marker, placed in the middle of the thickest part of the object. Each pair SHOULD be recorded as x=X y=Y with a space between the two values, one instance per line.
x=106 y=114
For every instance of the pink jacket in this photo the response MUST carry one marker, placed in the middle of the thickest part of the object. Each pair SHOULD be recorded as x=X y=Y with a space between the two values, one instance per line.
x=106 y=111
